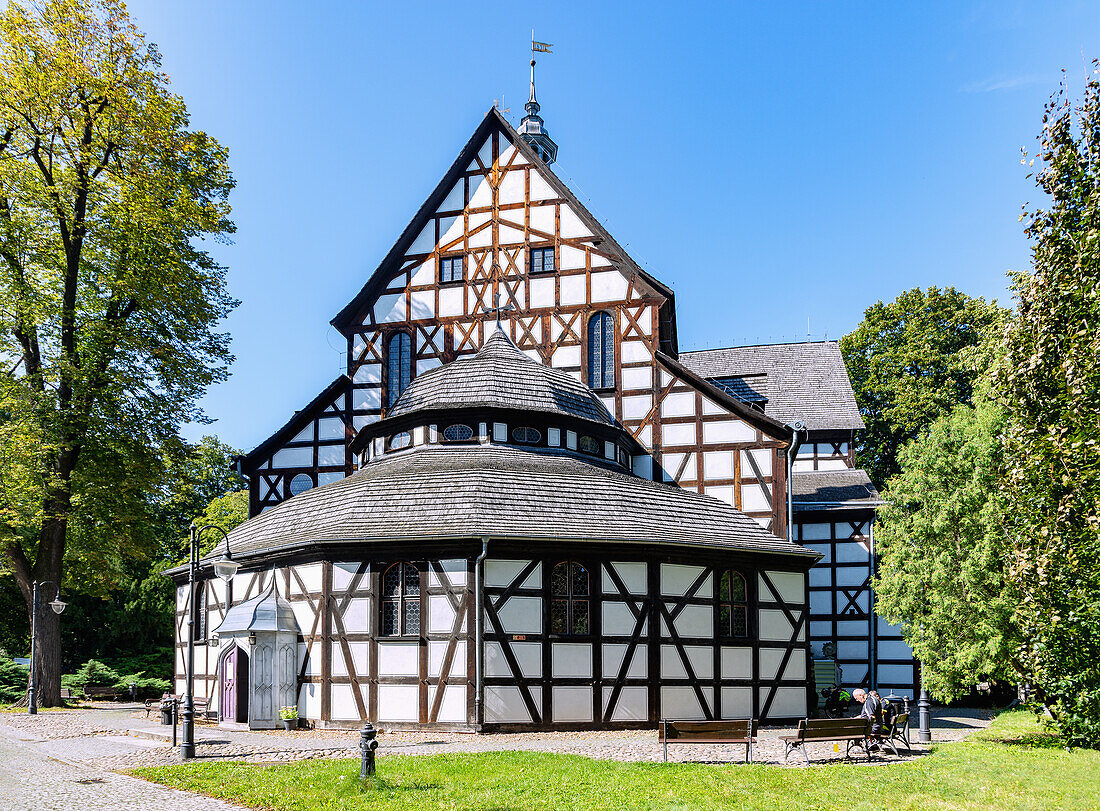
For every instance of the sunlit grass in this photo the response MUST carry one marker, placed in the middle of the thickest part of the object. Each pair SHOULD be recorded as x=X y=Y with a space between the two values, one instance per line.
x=1012 y=765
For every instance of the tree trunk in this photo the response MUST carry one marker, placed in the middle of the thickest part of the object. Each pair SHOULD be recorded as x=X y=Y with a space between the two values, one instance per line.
x=47 y=651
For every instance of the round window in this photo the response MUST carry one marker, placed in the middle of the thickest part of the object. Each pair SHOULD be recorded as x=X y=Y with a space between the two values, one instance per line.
x=589 y=445
x=300 y=483
x=528 y=435
x=458 y=433
x=402 y=440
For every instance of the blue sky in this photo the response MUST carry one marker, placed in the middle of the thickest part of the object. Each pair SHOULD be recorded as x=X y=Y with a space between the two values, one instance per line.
x=771 y=162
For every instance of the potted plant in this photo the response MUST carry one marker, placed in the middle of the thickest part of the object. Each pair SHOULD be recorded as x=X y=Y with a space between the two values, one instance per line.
x=290 y=717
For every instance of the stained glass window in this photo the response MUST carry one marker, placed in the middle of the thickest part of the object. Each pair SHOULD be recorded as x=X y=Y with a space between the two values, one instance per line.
x=526 y=435
x=601 y=351
x=458 y=433
x=398 y=366
x=542 y=260
x=450 y=269
x=401 y=600
x=568 y=599
x=733 y=608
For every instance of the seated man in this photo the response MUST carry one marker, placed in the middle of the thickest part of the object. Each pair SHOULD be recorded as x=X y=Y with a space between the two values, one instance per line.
x=871 y=709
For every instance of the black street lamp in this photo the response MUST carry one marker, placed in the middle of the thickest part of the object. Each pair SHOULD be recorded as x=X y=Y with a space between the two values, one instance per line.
x=58 y=607
x=224 y=568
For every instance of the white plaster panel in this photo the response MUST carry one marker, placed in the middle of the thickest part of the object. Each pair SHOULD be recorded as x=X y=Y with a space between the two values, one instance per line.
x=763 y=459
x=851 y=575
x=774 y=625
x=677 y=433
x=356 y=616
x=293 y=457
x=570 y=258
x=816 y=532
x=642 y=466
x=542 y=219
x=571 y=225
x=507 y=235
x=821 y=602
x=521 y=615
x=617 y=618
x=608 y=285
x=802 y=466
x=572 y=704
x=790 y=586
x=852 y=552
x=796 y=666
x=452 y=300
x=452 y=709
x=425 y=240
x=542 y=292
x=725 y=493
x=770 y=659
x=567 y=356
x=533 y=580
x=360 y=651
x=571 y=290
x=398 y=658
x=303 y=614
x=390 y=308
x=710 y=407
x=481 y=193
x=309 y=701
x=702 y=660
x=695 y=620
x=505 y=704
x=681 y=703
x=853 y=628
x=632 y=574
x=736 y=663
x=851 y=650
x=635 y=352
x=753 y=499
x=894 y=649
x=789 y=702
x=736 y=702
x=571 y=660
x=310 y=576
x=895 y=674
x=437 y=650
x=672 y=666
x=455 y=199
x=718 y=465
x=423 y=304
x=635 y=408
x=398 y=702
x=441 y=616
x=329 y=455
x=528 y=657
x=637 y=377
x=613 y=661
x=632 y=705
x=511 y=189
x=832 y=464
x=676 y=579
x=367 y=399
x=820 y=576
x=727 y=431
x=499 y=573
x=679 y=404
x=454 y=569
x=540 y=188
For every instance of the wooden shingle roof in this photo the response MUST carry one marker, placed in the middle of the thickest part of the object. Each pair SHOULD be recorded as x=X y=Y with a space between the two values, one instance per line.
x=822 y=489
x=469 y=492
x=805 y=381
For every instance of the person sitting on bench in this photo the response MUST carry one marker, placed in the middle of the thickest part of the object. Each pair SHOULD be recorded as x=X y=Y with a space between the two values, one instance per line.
x=871 y=709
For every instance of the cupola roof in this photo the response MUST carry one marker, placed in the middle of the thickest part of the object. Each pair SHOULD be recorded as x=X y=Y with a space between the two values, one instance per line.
x=501 y=376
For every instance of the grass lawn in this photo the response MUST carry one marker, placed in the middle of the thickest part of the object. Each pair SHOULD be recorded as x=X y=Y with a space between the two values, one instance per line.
x=1010 y=765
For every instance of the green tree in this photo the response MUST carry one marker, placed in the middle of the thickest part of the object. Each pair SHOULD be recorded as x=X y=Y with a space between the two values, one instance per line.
x=911 y=361
x=108 y=304
x=944 y=555
x=1050 y=384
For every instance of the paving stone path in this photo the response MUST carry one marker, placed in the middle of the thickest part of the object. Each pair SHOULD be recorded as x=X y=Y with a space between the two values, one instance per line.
x=106 y=738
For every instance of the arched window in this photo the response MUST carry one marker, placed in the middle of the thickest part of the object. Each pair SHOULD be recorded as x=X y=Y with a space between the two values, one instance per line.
x=733 y=605
x=401 y=600
x=398 y=366
x=569 y=599
x=601 y=351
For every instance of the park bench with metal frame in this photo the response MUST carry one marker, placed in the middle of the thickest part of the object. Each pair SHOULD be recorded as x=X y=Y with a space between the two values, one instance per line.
x=898 y=730
x=853 y=731
x=735 y=732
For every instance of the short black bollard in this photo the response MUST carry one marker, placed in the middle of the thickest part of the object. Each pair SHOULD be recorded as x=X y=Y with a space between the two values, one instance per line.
x=367 y=744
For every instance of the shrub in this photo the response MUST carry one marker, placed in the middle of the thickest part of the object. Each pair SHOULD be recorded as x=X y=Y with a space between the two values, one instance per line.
x=13 y=680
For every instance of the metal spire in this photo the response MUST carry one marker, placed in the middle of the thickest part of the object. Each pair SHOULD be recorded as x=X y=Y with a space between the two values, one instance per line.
x=531 y=127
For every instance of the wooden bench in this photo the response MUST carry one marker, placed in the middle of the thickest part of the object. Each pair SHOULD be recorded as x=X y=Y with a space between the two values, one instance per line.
x=739 y=732
x=896 y=731
x=103 y=692
x=853 y=731
x=66 y=694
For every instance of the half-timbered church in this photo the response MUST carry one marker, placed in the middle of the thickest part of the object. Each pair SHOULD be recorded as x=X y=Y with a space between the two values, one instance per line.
x=523 y=507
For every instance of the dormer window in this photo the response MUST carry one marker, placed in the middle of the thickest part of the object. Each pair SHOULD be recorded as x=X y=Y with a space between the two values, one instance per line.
x=542 y=260
x=451 y=269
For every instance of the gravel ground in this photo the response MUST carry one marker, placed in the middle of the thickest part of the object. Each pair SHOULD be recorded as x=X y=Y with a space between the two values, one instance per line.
x=104 y=738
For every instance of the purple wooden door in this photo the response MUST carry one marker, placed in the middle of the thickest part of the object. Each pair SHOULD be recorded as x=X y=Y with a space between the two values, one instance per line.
x=229 y=686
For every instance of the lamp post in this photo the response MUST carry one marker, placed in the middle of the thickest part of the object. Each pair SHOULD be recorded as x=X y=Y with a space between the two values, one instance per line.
x=924 y=707
x=58 y=607
x=224 y=568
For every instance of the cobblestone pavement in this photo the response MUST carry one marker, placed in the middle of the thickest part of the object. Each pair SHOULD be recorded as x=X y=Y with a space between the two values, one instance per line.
x=104 y=738
x=32 y=777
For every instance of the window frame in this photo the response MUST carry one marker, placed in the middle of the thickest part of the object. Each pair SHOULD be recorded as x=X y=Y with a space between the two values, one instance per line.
x=451 y=258
x=396 y=335
x=607 y=350
x=726 y=630
x=570 y=598
x=542 y=249
x=401 y=599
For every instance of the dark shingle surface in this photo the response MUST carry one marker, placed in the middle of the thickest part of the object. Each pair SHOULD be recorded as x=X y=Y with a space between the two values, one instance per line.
x=500 y=375
x=831 y=487
x=805 y=381
x=474 y=491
